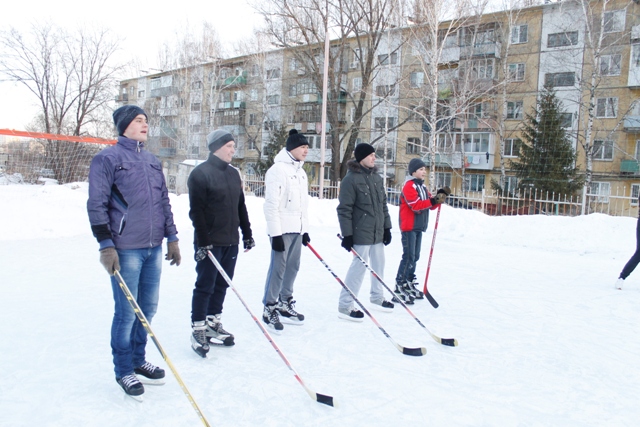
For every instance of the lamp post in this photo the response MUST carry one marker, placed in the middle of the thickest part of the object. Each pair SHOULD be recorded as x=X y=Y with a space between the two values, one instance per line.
x=325 y=79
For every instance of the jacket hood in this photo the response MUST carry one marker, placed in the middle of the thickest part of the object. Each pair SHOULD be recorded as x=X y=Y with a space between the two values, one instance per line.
x=356 y=167
x=285 y=157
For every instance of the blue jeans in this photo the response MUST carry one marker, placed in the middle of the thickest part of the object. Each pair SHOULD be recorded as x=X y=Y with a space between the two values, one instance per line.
x=635 y=258
x=411 y=244
x=140 y=269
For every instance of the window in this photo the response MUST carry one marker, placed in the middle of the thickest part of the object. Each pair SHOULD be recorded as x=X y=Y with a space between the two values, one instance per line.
x=293 y=64
x=414 y=145
x=516 y=72
x=610 y=65
x=606 y=107
x=519 y=34
x=444 y=143
x=140 y=94
x=559 y=79
x=270 y=125
x=637 y=153
x=306 y=87
x=477 y=69
x=251 y=145
x=273 y=99
x=380 y=121
x=443 y=179
x=255 y=70
x=132 y=90
x=196 y=85
x=601 y=189
x=474 y=182
x=635 y=194
x=356 y=84
x=614 y=21
x=293 y=90
x=514 y=109
x=417 y=79
x=635 y=55
x=512 y=147
x=194 y=128
x=195 y=106
x=510 y=184
x=308 y=112
x=385 y=90
x=476 y=142
x=566 y=120
x=253 y=94
x=252 y=119
x=384 y=58
x=602 y=150
x=273 y=73
x=155 y=83
x=568 y=38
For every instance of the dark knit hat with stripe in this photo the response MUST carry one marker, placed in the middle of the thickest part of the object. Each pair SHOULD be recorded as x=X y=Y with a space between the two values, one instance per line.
x=124 y=115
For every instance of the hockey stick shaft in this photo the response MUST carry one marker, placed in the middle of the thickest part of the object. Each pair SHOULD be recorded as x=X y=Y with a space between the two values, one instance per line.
x=143 y=320
x=420 y=351
x=320 y=398
x=430 y=298
x=451 y=342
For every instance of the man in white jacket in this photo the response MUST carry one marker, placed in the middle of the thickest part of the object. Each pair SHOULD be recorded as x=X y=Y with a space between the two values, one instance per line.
x=285 y=208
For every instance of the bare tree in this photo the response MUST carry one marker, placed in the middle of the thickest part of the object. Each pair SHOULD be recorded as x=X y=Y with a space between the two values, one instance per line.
x=355 y=28
x=72 y=74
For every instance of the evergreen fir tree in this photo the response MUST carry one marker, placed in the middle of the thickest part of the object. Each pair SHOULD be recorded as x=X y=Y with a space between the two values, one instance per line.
x=547 y=161
x=277 y=141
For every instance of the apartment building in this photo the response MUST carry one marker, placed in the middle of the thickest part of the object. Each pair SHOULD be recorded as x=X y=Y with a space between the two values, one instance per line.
x=458 y=104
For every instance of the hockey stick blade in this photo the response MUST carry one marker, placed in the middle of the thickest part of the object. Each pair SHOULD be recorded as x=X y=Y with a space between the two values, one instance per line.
x=451 y=342
x=323 y=398
x=420 y=351
x=432 y=301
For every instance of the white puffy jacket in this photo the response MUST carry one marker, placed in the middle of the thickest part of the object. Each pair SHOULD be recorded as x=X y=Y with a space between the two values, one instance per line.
x=286 y=196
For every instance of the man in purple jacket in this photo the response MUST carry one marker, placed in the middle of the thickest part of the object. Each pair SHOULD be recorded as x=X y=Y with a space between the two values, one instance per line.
x=130 y=215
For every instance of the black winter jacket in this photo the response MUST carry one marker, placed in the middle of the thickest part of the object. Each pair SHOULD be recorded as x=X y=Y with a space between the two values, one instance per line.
x=217 y=206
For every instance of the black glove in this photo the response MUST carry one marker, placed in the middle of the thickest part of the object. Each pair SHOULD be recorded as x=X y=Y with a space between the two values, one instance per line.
x=305 y=239
x=446 y=190
x=386 y=237
x=248 y=243
x=347 y=243
x=277 y=243
x=201 y=253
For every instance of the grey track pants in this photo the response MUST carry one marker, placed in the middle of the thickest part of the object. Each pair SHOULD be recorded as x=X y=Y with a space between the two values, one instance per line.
x=357 y=270
x=283 y=270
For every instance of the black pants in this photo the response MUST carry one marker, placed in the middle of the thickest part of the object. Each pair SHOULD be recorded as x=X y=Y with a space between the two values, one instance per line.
x=635 y=258
x=211 y=287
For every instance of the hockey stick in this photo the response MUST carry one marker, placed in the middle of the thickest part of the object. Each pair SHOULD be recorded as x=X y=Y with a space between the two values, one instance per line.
x=451 y=342
x=420 y=351
x=433 y=302
x=147 y=327
x=320 y=398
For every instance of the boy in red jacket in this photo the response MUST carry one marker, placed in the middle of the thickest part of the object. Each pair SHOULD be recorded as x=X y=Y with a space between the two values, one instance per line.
x=415 y=203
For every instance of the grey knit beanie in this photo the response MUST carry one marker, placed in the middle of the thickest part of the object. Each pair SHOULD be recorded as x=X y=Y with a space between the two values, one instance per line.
x=217 y=139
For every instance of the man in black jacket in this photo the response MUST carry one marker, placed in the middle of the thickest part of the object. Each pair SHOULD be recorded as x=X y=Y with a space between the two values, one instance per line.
x=217 y=209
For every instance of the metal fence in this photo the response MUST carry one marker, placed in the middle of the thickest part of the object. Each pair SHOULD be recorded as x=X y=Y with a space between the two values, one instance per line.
x=494 y=203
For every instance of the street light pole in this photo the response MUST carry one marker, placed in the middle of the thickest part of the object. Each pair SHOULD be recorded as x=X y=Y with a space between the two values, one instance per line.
x=325 y=79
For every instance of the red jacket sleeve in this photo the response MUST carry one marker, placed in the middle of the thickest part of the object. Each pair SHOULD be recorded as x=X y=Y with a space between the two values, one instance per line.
x=412 y=199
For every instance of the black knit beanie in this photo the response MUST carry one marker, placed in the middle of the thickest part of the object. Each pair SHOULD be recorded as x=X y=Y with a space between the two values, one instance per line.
x=295 y=140
x=363 y=150
x=217 y=139
x=124 y=115
x=416 y=164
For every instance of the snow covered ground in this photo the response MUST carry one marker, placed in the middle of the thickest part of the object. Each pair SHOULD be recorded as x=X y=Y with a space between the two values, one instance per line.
x=545 y=339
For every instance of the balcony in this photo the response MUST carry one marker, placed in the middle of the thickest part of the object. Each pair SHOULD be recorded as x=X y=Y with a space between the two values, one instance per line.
x=452 y=160
x=482 y=49
x=449 y=54
x=629 y=167
x=231 y=104
x=631 y=124
x=239 y=80
x=124 y=97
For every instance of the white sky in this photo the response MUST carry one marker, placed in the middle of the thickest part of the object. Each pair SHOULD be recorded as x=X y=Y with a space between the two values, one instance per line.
x=145 y=25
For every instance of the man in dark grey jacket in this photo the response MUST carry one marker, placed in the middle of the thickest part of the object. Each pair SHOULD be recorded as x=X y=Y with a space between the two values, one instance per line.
x=130 y=215
x=366 y=227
